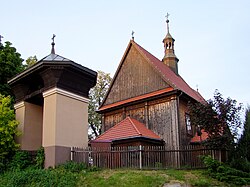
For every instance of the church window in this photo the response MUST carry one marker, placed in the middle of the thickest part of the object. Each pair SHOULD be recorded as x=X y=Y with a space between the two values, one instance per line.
x=188 y=123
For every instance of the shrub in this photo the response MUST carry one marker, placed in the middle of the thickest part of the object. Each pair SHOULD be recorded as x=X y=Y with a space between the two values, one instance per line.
x=8 y=128
x=210 y=163
x=240 y=164
x=2 y=166
x=20 y=160
x=39 y=177
x=223 y=172
x=73 y=166
x=40 y=158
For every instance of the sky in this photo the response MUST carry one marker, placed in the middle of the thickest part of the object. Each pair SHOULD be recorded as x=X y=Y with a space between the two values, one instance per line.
x=212 y=38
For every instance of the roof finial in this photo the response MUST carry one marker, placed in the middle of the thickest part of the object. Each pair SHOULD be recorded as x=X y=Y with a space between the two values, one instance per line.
x=167 y=21
x=197 y=87
x=1 y=38
x=53 y=44
x=133 y=38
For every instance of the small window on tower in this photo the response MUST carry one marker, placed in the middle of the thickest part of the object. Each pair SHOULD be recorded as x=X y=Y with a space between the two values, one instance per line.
x=188 y=124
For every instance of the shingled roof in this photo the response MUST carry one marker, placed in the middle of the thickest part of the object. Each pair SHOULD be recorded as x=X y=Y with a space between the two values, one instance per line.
x=127 y=128
x=174 y=80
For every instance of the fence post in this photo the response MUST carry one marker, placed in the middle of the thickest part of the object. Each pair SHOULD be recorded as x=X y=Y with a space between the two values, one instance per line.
x=140 y=156
x=220 y=155
x=71 y=154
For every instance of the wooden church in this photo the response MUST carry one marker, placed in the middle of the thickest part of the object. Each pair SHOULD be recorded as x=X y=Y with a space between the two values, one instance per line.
x=146 y=103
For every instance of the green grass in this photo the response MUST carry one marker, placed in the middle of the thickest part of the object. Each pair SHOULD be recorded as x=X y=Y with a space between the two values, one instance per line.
x=124 y=178
x=105 y=178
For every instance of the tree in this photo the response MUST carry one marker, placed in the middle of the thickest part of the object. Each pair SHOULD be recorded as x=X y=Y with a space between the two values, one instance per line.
x=96 y=96
x=10 y=65
x=243 y=147
x=220 y=118
x=8 y=127
x=31 y=61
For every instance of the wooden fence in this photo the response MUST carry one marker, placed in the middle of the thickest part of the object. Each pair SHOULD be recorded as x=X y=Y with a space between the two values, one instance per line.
x=145 y=157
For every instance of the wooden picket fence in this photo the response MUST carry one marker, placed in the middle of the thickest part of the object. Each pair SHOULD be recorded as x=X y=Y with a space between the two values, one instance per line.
x=145 y=157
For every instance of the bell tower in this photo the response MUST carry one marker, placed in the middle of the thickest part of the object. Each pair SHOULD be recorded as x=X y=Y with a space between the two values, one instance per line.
x=169 y=58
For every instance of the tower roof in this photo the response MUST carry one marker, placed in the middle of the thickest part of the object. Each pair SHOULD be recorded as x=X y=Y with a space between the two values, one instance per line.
x=55 y=58
x=168 y=36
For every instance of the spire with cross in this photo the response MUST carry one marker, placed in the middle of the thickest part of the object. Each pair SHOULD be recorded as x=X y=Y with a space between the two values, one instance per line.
x=169 y=57
x=53 y=44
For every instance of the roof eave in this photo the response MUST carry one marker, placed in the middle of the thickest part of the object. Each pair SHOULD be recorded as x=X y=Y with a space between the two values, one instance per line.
x=100 y=110
x=41 y=64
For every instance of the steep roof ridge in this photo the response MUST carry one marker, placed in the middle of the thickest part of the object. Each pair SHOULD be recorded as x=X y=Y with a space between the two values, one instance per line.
x=116 y=73
x=158 y=66
x=199 y=95
x=134 y=126
x=176 y=81
x=135 y=129
x=141 y=51
x=201 y=99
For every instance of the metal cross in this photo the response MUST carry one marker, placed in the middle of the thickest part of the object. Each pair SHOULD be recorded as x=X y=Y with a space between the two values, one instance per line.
x=53 y=38
x=133 y=34
x=167 y=15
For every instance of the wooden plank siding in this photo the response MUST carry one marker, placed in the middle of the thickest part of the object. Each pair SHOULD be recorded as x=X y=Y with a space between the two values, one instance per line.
x=135 y=77
x=159 y=115
x=164 y=114
x=146 y=157
x=162 y=121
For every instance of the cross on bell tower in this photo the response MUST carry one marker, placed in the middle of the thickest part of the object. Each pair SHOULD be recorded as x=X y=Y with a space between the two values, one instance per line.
x=169 y=57
x=53 y=44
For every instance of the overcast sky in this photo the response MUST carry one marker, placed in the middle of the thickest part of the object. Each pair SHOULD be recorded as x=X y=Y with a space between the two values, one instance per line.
x=212 y=38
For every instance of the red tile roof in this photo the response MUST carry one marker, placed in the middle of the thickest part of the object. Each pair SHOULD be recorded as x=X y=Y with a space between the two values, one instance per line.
x=168 y=75
x=196 y=138
x=159 y=92
x=127 y=128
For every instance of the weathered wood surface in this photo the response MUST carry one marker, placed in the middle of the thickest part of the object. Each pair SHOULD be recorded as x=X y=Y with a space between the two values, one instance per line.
x=135 y=77
x=159 y=115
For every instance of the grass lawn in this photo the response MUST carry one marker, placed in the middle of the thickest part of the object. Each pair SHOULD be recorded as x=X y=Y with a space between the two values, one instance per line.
x=106 y=178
